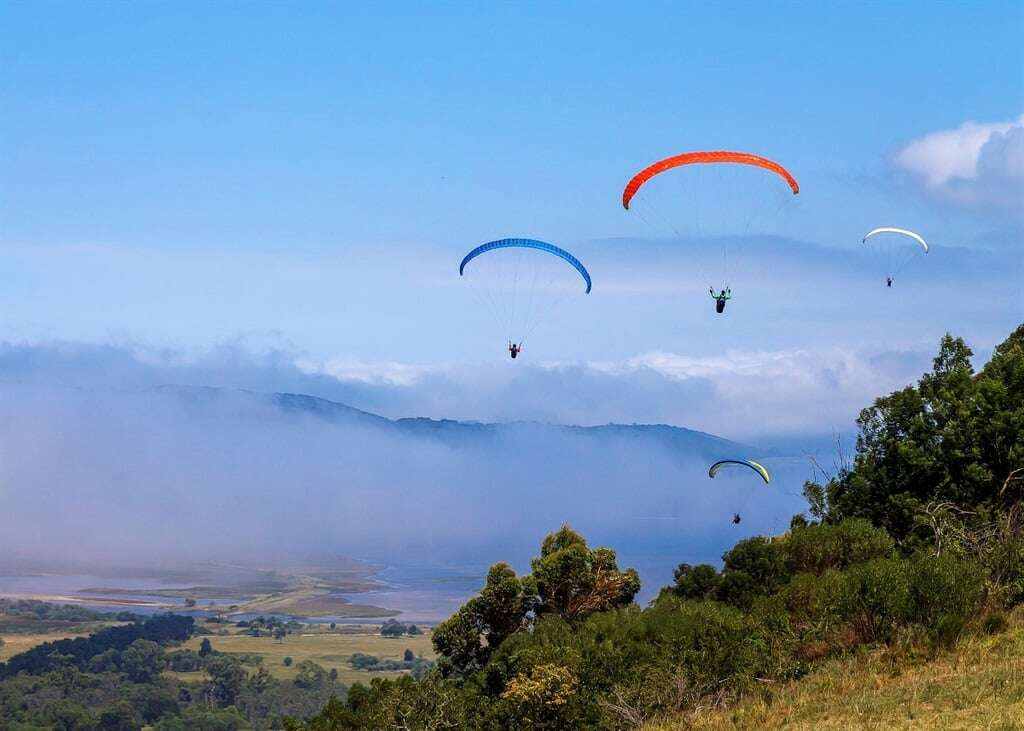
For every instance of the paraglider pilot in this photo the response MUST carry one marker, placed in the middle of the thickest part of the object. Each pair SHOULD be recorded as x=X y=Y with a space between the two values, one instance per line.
x=720 y=298
x=736 y=519
x=514 y=349
x=888 y=281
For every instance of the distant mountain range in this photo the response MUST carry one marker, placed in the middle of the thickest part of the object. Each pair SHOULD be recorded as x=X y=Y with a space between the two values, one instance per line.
x=467 y=433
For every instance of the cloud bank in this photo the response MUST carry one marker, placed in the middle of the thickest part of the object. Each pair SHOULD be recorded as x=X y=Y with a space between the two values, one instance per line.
x=160 y=477
x=976 y=165
x=740 y=394
x=99 y=466
x=752 y=395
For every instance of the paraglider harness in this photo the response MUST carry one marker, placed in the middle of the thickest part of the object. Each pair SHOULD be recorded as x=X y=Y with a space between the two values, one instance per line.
x=514 y=349
x=720 y=299
x=888 y=281
x=736 y=519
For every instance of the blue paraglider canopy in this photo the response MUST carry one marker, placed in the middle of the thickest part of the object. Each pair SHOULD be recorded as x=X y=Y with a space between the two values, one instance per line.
x=527 y=244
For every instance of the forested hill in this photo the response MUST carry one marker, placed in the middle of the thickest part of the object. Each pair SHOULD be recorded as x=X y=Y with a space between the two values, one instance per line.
x=461 y=433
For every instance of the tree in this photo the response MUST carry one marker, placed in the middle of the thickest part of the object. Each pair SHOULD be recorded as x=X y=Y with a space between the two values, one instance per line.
x=574 y=581
x=205 y=648
x=287 y=662
x=408 y=655
x=280 y=633
x=753 y=567
x=108 y=661
x=259 y=681
x=458 y=641
x=152 y=701
x=956 y=437
x=695 y=582
x=467 y=638
x=207 y=719
x=226 y=679
x=143 y=661
x=568 y=579
x=121 y=717
x=309 y=675
x=335 y=715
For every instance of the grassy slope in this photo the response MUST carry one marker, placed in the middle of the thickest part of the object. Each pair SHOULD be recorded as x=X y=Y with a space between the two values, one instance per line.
x=978 y=685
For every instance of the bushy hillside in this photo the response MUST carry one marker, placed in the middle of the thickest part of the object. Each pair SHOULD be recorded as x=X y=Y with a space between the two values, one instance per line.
x=978 y=684
x=914 y=547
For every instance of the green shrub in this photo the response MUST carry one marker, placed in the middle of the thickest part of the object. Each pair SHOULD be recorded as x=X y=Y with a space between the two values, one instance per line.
x=711 y=643
x=543 y=698
x=392 y=628
x=936 y=593
x=184 y=661
x=400 y=703
x=944 y=585
x=664 y=658
x=877 y=598
x=946 y=631
x=1005 y=563
x=945 y=593
x=361 y=661
x=754 y=567
x=207 y=719
x=815 y=548
x=777 y=638
x=995 y=623
x=817 y=605
x=695 y=582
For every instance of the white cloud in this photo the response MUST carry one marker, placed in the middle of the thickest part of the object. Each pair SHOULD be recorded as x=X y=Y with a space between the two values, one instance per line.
x=740 y=394
x=383 y=374
x=754 y=394
x=978 y=165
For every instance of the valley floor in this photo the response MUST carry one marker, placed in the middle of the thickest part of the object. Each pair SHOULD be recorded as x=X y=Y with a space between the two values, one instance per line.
x=329 y=649
x=979 y=685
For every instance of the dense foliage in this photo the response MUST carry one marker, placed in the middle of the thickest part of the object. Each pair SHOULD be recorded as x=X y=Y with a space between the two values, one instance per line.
x=117 y=678
x=78 y=652
x=916 y=542
x=39 y=610
x=31 y=616
x=418 y=667
x=956 y=437
x=394 y=628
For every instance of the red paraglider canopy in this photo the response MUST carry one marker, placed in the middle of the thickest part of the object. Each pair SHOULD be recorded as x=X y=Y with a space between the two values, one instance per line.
x=693 y=158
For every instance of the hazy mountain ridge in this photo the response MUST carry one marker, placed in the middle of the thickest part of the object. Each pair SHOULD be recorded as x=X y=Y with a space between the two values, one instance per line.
x=457 y=433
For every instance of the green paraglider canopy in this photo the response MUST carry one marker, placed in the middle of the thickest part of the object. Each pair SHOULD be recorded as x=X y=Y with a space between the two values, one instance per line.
x=756 y=466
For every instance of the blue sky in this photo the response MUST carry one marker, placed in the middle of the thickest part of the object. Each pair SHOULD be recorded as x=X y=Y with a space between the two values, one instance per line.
x=303 y=178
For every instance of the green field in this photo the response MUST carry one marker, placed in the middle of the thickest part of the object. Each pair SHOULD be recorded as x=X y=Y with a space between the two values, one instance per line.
x=322 y=646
